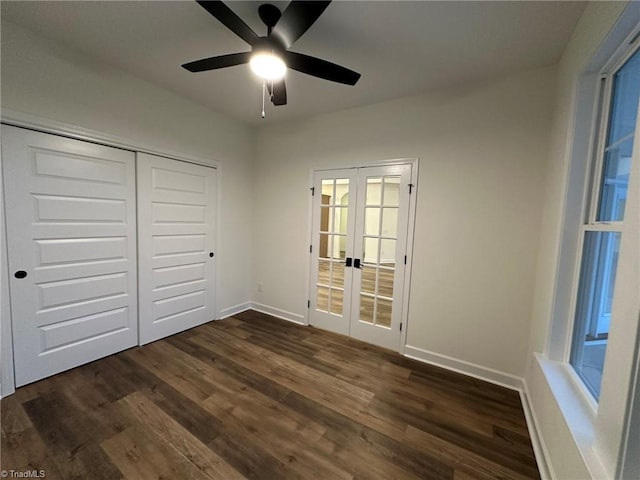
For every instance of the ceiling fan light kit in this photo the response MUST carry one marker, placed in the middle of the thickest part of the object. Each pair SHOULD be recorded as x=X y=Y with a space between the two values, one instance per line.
x=270 y=56
x=267 y=66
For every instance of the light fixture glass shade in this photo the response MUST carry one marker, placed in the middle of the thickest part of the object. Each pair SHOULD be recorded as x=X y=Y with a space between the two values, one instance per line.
x=268 y=66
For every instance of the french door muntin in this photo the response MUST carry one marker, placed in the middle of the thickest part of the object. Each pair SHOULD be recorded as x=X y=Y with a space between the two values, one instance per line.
x=358 y=250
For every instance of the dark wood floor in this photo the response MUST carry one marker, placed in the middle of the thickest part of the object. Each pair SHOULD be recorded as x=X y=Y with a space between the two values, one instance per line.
x=256 y=397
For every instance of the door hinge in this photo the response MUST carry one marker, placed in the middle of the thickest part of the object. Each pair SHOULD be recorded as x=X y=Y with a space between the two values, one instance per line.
x=308 y=303
x=310 y=248
x=313 y=191
x=401 y=326
x=410 y=188
x=405 y=259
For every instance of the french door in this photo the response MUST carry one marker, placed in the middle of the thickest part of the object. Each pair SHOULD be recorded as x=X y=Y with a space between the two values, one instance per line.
x=360 y=225
x=71 y=218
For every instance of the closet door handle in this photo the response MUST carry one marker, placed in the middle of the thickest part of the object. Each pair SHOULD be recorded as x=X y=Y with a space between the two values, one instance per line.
x=20 y=274
x=348 y=262
x=356 y=263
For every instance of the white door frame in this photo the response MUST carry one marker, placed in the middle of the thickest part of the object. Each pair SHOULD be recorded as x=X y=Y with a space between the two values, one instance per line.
x=46 y=125
x=414 y=162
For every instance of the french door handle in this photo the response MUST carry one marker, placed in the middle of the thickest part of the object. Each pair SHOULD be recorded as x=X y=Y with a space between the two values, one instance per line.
x=348 y=262
x=356 y=263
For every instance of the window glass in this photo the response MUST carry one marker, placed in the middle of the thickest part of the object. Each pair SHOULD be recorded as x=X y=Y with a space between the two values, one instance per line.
x=593 y=308
x=615 y=180
x=624 y=104
x=619 y=146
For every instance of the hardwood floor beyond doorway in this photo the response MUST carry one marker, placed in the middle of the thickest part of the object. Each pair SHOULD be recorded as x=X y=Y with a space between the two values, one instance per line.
x=257 y=397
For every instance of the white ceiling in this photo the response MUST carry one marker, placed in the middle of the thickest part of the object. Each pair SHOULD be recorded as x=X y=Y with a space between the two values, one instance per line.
x=400 y=48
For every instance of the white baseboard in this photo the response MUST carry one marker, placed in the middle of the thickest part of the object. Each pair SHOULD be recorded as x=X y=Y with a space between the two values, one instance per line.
x=477 y=371
x=498 y=378
x=230 y=311
x=535 y=433
x=276 y=312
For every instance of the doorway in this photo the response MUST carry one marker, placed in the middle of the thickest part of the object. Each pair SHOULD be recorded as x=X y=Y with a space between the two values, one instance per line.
x=359 y=252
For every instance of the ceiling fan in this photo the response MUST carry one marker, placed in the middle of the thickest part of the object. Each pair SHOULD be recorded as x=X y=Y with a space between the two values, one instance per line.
x=270 y=55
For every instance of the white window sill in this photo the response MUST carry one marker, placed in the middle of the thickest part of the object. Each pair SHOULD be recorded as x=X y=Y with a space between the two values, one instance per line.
x=578 y=409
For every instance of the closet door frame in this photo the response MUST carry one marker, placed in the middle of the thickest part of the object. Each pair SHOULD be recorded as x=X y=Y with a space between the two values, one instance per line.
x=415 y=163
x=46 y=125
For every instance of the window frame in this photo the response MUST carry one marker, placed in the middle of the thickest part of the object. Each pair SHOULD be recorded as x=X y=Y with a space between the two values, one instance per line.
x=591 y=199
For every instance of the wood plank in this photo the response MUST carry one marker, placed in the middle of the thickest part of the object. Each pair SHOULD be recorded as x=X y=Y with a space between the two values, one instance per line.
x=183 y=410
x=25 y=450
x=364 y=451
x=70 y=438
x=145 y=414
x=138 y=454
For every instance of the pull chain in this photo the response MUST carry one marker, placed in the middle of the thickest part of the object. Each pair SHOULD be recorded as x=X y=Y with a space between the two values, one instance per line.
x=264 y=89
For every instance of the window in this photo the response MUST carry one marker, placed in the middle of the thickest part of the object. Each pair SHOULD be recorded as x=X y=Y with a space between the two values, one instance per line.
x=601 y=232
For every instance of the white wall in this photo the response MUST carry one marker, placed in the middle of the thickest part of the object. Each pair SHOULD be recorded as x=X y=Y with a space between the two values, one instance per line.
x=42 y=78
x=483 y=151
x=566 y=461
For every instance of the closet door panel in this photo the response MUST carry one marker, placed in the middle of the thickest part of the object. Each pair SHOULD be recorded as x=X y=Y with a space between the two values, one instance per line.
x=71 y=223
x=176 y=211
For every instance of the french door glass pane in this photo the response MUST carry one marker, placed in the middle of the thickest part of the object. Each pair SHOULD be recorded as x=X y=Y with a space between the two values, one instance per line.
x=327 y=187
x=374 y=191
x=385 y=282
x=367 y=304
x=390 y=222
x=337 y=274
x=387 y=252
x=336 y=301
x=370 y=250
x=383 y=312
x=368 y=282
x=593 y=308
x=339 y=221
x=391 y=191
x=372 y=221
x=322 y=300
x=324 y=272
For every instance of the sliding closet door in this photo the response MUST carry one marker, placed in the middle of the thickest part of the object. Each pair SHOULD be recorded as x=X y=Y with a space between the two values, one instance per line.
x=176 y=233
x=71 y=224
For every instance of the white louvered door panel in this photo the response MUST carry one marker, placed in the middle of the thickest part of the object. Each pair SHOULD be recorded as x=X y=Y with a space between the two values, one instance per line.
x=176 y=214
x=71 y=223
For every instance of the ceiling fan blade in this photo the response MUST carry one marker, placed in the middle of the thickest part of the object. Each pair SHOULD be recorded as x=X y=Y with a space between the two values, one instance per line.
x=320 y=68
x=221 y=61
x=296 y=20
x=230 y=20
x=279 y=93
